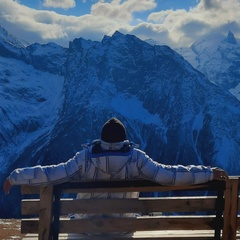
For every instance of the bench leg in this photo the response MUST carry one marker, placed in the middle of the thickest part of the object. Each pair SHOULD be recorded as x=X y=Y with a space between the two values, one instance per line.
x=230 y=210
x=45 y=213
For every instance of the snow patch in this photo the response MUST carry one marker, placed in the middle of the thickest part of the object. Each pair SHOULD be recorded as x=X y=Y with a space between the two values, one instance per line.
x=132 y=108
x=236 y=91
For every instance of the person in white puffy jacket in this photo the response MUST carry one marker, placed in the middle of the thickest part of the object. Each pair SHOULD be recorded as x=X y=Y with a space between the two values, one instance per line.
x=112 y=157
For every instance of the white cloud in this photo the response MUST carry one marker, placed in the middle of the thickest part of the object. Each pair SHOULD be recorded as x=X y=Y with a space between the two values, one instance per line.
x=65 y=4
x=29 y=24
x=159 y=17
x=210 y=4
x=157 y=32
x=184 y=27
x=175 y=28
x=43 y=26
x=121 y=10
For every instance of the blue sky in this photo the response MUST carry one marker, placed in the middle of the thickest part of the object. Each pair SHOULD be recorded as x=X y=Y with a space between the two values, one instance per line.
x=177 y=23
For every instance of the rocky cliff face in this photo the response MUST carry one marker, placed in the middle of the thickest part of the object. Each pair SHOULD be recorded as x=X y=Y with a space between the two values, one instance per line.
x=55 y=98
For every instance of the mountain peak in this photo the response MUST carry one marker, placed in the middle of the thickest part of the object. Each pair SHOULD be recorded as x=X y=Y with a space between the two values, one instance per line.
x=115 y=39
x=10 y=39
x=230 y=38
x=117 y=34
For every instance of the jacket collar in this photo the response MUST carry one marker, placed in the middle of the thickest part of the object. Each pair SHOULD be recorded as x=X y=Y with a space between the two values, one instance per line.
x=113 y=146
x=110 y=146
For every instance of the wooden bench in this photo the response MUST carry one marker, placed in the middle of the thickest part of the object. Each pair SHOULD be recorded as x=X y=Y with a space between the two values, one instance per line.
x=194 y=215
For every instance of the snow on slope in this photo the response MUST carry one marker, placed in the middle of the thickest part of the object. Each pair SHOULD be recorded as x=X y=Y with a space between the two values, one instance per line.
x=236 y=91
x=132 y=108
x=29 y=106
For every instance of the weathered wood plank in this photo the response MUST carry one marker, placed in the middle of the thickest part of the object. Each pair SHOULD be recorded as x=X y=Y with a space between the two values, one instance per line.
x=141 y=205
x=136 y=224
x=30 y=225
x=156 y=235
x=134 y=186
x=126 y=224
x=27 y=189
x=123 y=186
x=30 y=207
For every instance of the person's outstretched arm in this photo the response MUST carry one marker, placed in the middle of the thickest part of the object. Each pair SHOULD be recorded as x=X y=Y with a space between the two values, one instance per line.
x=176 y=174
x=52 y=174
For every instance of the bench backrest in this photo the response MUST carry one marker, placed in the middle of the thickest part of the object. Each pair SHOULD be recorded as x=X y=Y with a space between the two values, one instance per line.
x=177 y=213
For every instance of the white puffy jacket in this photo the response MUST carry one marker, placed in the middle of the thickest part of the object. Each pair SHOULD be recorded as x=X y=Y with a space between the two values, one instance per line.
x=113 y=161
x=102 y=161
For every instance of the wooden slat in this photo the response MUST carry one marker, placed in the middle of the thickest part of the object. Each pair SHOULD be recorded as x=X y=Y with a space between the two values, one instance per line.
x=123 y=186
x=126 y=224
x=238 y=223
x=30 y=206
x=29 y=225
x=134 y=186
x=142 y=235
x=136 y=224
x=27 y=189
x=142 y=205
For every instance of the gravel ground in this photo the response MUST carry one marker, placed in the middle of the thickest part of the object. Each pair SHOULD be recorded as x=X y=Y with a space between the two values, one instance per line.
x=10 y=229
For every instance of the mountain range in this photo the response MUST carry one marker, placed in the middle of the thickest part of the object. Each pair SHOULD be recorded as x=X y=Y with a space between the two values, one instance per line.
x=53 y=99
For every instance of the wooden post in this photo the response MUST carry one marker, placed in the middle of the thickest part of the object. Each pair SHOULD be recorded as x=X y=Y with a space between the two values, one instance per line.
x=56 y=212
x=230 y=210
x=234 y=207
x=45 y=213
x=219 y=212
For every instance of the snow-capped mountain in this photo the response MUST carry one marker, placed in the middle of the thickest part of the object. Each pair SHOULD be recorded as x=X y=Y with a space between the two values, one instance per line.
x=218 y=57
x=53 y=99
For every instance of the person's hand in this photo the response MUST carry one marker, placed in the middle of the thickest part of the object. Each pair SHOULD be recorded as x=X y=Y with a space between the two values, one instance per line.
x=7 y=185
x=219 y=174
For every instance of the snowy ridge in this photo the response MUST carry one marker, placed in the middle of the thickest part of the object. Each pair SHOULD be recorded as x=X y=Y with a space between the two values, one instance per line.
x=7 y=38
x=217 y=57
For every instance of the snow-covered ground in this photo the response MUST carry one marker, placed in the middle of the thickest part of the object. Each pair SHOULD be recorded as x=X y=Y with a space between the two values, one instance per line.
x=10 y=229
